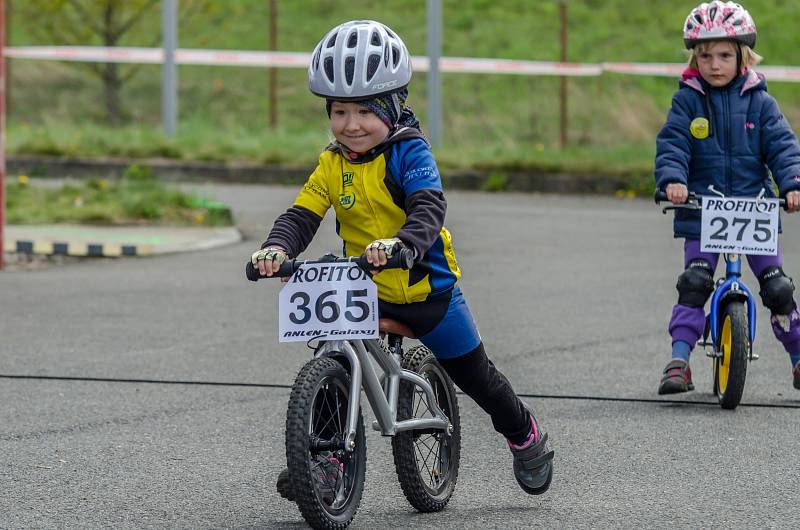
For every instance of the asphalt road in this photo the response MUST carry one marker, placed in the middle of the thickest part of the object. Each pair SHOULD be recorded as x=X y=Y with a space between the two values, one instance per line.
x=571 y=295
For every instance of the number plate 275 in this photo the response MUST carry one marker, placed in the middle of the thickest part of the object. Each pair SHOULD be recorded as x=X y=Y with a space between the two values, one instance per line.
x=739 y=226
x=331 y=300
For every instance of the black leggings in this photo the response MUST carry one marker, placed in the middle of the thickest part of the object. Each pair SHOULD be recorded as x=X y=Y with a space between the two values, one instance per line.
x=473 y=372
x=477 y=376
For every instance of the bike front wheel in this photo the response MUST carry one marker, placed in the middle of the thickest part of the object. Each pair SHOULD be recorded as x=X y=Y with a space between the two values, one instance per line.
x=327 y=481
x=427 y=462
x=730 y=365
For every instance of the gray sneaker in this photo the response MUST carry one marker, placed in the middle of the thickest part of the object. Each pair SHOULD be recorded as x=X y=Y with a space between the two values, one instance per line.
x=283 y=486
x=533 y=462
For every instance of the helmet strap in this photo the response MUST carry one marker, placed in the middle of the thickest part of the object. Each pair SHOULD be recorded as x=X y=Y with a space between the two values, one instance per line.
x=738 y=59
x=398 y=109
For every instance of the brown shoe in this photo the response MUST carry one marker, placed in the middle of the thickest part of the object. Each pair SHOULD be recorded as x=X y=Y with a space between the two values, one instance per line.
x=677 y=378
x=796 y=375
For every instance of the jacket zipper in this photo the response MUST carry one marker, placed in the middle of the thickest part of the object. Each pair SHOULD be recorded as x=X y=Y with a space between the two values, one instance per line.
x=726 y=118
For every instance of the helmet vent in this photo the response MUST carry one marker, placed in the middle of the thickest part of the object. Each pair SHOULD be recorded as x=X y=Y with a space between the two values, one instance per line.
x=372 y=65
x=395 y=56
x=349 y=69
x=331 y=41
x=329 y=68
x=726 y=17
x=386 y=56
x=737 y=22
x=698 y=18
x=375 y=40
x=712 y=12
x=315 y=60
x=352 y=40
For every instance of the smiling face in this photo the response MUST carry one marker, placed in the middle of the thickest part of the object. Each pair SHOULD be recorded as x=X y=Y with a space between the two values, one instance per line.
x=356 y=127
x=717 y=62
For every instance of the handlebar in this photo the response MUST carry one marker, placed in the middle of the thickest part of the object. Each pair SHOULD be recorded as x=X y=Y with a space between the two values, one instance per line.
x=693 y=202
x=404 y=259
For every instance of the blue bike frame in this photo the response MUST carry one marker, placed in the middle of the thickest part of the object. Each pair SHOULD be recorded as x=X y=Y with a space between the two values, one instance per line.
x=732 y=286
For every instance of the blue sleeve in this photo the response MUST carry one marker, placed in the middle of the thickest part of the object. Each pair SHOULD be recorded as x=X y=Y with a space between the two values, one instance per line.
x=674 y=145
x=414 y=167
x=780 y=148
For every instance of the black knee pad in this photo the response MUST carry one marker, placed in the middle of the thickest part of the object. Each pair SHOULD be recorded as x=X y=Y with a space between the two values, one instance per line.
x=776 y=291
x=695 y=284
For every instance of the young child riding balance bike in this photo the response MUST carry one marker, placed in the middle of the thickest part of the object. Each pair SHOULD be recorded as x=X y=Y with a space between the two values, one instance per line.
x=380 y=176
x=724 y=130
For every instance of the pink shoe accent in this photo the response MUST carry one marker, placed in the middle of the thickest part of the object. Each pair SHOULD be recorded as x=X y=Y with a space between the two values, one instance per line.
x=532 y=438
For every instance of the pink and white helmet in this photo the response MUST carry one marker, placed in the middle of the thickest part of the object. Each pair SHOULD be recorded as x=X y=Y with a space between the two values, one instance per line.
x=719 y=20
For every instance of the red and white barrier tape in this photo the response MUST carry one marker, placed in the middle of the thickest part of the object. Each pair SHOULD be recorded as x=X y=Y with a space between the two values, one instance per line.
x=420 y=63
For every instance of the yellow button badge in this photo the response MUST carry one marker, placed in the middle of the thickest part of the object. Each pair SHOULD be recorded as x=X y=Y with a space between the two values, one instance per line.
x=699 y=128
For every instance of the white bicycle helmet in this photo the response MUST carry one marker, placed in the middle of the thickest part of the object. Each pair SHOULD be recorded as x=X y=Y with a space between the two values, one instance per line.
x=719 y=20
x=359 y=59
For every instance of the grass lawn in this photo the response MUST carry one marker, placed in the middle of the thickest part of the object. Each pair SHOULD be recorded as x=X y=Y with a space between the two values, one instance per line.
x=491 y=122
x=137 y=198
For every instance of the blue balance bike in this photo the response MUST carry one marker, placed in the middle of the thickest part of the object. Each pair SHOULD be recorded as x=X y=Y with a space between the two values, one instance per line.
x=730 y=323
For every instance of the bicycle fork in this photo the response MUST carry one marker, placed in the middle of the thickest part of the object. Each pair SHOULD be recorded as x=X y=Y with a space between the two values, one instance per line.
x=731 y=289
x=384 y=407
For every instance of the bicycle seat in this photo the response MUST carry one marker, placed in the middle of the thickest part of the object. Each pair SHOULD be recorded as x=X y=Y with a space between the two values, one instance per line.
x=387 y=325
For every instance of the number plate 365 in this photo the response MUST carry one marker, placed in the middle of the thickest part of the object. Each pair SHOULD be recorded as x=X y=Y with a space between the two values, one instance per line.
x=739 y=226
x=331 y=300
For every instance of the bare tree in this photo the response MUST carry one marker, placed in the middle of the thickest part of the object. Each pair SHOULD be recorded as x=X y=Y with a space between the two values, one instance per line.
x=106 y=23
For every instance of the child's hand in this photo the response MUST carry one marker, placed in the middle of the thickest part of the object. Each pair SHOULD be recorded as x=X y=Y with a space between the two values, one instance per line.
x=677 y=193
x=268 y=260
x=793 y=201
x=380 y=250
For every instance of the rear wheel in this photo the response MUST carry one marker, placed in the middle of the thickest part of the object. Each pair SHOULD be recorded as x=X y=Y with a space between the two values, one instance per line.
x=326 y=480
x=427 y=462
x=730 y=367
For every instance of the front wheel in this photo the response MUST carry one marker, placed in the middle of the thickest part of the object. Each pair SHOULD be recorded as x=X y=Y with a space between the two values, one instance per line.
x=427 y=462
x=327 y=481
x=730 y=366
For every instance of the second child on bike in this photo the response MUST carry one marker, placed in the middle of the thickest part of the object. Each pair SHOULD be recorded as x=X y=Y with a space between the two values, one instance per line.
x=380 y=176
x=724 y=130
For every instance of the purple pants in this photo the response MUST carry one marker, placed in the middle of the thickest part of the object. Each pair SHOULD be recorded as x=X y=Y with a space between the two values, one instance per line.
x=688 y=323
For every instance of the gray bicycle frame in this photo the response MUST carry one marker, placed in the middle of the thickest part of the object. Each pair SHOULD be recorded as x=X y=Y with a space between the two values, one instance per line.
x=382 y=393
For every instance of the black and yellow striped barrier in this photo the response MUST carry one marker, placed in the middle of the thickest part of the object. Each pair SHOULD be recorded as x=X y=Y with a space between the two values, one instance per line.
x=62 y=248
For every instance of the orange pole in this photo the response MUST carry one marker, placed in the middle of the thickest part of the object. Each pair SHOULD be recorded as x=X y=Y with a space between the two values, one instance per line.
x=2 y=131
x=562 y=9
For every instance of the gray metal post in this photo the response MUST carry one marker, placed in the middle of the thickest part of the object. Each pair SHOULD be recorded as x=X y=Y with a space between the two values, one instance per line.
x=169 y=73
x=434 y=80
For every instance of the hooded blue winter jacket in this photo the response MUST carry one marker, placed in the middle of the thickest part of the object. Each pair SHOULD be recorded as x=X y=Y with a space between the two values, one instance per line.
x=749 y=144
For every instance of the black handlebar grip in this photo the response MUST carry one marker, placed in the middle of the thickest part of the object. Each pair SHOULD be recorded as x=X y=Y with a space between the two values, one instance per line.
x=404 y=259
x=251 y=272
x=660 y=196
x=287 y=268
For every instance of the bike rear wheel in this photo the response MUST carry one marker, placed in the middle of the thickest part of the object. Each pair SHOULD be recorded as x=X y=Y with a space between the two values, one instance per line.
x=427 y=463
x=327 y=481
x=730 y=366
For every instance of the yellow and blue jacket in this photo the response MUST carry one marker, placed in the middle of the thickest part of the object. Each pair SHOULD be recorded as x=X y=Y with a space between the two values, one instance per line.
x=393 y=191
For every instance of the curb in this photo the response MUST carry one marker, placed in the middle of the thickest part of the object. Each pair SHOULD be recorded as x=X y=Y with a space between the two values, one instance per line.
x=65 y=248
x=171 y=240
